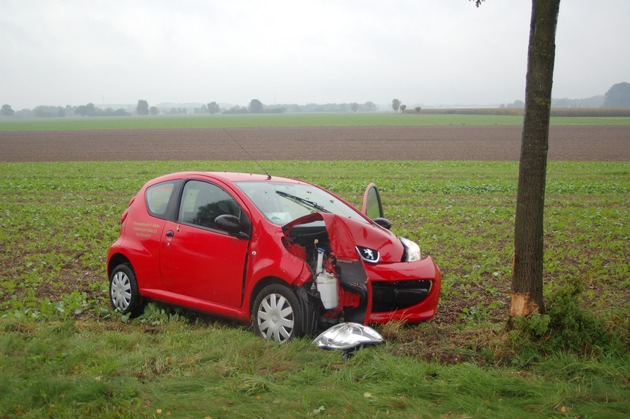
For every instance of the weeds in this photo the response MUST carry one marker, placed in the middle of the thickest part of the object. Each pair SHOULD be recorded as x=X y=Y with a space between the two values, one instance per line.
x=568 y=327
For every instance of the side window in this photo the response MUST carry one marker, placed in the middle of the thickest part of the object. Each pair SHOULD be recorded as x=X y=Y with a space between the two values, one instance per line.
x=203 y=202
x=157 y=197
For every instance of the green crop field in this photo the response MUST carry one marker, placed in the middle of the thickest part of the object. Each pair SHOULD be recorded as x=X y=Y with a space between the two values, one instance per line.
x=64 y=353
x=289 y=120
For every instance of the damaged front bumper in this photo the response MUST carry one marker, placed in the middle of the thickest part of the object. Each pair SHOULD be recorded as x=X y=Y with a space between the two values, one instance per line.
x=408 y=291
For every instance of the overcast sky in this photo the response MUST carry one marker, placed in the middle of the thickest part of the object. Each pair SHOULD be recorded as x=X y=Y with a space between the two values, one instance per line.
x=423 y=52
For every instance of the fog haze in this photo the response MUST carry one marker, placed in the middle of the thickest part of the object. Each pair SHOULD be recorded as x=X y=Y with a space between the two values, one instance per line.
x=423 y=52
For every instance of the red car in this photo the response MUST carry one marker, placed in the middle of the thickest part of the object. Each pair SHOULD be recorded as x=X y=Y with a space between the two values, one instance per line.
x=287 y=255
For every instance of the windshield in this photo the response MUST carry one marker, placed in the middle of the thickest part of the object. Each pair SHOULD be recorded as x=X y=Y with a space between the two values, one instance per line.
x=283 y=202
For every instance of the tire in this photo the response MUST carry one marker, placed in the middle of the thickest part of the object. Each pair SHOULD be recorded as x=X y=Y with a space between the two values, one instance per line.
x=123 y=291
x=277 y=314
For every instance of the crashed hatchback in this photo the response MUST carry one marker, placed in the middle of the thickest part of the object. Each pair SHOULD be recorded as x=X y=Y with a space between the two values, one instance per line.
x=287 y=255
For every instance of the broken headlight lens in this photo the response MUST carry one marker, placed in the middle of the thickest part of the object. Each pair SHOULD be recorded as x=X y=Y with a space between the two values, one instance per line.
x=412 y=250
x=348 y=336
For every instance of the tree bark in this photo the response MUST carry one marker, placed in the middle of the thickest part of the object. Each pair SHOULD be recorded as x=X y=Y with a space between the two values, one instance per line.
x=527 y=276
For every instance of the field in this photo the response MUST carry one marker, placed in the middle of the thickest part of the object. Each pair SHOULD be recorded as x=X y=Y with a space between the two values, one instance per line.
x=64 y=353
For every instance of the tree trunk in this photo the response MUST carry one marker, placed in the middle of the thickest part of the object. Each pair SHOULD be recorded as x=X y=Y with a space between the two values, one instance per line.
x=527 y=276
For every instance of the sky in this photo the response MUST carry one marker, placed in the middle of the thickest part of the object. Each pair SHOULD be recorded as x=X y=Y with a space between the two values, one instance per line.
x=422 y=52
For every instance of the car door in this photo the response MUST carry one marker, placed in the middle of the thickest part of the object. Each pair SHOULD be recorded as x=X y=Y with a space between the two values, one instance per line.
x=372 y=206
x=197 y=260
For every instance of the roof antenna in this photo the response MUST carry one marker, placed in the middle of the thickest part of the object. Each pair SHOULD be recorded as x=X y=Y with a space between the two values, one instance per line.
x=247 y=152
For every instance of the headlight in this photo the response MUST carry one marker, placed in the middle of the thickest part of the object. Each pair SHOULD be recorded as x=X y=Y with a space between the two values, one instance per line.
x=412 y=250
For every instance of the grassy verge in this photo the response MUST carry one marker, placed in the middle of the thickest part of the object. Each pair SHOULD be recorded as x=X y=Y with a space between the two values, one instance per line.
x=63 y=353
x=207 y=369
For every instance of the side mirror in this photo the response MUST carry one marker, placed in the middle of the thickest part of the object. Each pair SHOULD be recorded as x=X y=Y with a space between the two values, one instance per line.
x=383 y=222
x=230 y=224
x=372 y=206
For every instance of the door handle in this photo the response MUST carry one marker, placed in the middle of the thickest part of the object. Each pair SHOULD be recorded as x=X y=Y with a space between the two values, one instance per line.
x=170 y=234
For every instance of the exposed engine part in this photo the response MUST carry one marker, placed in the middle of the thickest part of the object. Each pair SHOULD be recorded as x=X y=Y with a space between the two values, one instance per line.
x=341 y=286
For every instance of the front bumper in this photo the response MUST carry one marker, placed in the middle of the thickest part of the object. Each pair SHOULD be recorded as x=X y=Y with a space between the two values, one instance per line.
x=407 y=291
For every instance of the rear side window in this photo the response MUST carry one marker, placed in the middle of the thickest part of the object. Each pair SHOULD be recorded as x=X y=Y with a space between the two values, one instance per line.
x=203 y=202
x=157 y=198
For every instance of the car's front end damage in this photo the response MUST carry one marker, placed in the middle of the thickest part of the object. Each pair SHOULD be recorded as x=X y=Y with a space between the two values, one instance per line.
x=361 y=272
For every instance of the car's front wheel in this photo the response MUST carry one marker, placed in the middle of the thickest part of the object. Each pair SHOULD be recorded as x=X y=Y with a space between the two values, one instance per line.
x=277 y=313
x=123 y=291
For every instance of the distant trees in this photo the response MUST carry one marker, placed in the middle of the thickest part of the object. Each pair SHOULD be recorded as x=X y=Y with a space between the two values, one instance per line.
x=49 y=111
x=255 y=106
x=86 y=110
x=91 y=110
x=517 y=104
x=596 y=101
x=236 y=110
x=7 y=110
x=142 y=108
x=356 y=107
x=417 y=109
x=395 y=105
x=618 y=96
x=368 y=107
x=213 y=108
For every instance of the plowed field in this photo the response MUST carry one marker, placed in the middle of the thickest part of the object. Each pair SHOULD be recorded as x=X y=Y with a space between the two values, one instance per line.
x=570 y=142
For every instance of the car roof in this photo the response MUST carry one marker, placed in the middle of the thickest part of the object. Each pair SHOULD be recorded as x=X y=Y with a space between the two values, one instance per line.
x=225 y=176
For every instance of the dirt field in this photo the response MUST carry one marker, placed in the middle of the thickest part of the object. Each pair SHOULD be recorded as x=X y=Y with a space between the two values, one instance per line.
x=578 y=143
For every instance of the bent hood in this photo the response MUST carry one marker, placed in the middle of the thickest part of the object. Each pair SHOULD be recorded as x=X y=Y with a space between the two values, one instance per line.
x=349 y=237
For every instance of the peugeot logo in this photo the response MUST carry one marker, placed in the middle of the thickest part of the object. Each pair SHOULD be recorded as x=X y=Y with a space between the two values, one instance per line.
x=367 y=254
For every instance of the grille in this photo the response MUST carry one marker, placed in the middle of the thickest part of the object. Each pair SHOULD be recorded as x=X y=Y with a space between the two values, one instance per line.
x=390 y=296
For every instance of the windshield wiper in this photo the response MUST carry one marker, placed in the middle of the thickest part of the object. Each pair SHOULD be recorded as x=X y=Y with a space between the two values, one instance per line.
x=303 y=201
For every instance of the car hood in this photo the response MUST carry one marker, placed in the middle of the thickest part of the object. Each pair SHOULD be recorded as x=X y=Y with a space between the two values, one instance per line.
x=346 y=234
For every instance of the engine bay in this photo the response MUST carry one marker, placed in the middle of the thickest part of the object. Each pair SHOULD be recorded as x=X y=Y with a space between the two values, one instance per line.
x=340 y=285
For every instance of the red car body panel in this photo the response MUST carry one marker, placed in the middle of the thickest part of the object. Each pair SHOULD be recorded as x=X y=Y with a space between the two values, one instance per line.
x=215 y=272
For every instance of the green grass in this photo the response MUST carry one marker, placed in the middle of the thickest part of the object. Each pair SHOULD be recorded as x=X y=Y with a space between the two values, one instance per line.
x=208 y=369
x=285 y=120
x=63 y=353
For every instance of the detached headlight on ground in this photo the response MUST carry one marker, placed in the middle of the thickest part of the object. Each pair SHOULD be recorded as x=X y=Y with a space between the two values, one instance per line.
x=412 y=250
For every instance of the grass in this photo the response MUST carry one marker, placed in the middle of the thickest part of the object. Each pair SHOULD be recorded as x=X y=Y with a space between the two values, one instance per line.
x=287 y=120
x=207 y=369
x=64 y=353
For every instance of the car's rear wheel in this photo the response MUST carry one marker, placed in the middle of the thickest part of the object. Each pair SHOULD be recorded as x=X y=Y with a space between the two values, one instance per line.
x=123 y=291
x=277 y=314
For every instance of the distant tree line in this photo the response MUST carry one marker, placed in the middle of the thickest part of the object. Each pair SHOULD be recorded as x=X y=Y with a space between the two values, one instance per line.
x=143 y=108
x=618 y=96
x=61 y=112
x=256 y=106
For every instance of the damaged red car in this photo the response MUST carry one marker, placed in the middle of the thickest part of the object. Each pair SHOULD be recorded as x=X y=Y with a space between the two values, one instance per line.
x=286 y=255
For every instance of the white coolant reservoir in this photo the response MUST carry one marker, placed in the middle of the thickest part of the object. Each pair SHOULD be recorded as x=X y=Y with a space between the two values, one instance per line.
x=326 y=284
x=327 y=287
